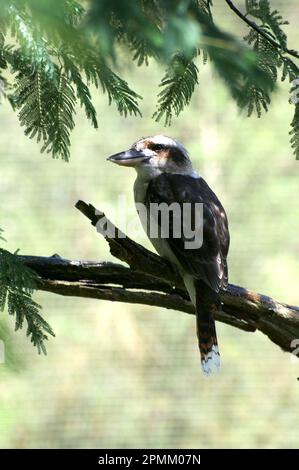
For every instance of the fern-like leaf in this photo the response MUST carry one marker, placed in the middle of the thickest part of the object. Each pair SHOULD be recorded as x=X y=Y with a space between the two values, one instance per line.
x=30 y=97
x=3 y=64
x=206 y=6
x=289 y=69
x=118 y=91
x=83 y=93
x=59 y=117
x=271 y=21
x=177 y=88
x=32 y=44
x=142 y=50
x=3 y=295
x=253 y=97
x=294 y=133
x=46 y=105
x=17 y=283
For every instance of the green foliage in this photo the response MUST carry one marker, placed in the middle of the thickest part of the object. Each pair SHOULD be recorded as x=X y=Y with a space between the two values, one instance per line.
x=46 y=108
x=56 y=50
x=289 y=69
x=108 y=351
x=294 y=133
x=17 y=283
x=53 y=63
x=178 y=85
x=52 y=52
x=117 y=90
x=206 y=6
x=256 y=98
x=82 y=90
x=271 y=57
x=271 y=21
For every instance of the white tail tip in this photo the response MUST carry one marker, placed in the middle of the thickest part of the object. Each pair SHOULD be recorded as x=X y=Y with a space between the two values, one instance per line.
x=211 y=362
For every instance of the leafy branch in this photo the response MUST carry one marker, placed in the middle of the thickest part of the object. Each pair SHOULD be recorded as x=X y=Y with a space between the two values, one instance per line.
x=177 y=88
x=52 y=73
x=294 y=132
x=64 y=48
x=273 y=20
x=51 y=53
x=17 y=283
x=269 y=41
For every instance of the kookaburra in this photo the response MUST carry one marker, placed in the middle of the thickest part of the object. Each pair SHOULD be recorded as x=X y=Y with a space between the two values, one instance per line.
x=165 y=175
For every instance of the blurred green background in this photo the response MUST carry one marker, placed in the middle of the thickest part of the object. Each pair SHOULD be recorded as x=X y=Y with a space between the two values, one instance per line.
x=129 y=376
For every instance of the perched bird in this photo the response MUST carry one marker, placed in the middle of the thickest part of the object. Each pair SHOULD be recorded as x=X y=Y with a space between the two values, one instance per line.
x=165 y=176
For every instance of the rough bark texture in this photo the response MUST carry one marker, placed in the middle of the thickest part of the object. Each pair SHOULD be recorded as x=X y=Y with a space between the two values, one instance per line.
x=151 y=280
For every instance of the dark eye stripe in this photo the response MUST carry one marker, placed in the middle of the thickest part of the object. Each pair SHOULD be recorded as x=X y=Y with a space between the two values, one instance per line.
x=158 y=147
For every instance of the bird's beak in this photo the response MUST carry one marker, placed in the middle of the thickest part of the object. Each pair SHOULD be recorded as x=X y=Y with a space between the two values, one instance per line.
x=127 y=158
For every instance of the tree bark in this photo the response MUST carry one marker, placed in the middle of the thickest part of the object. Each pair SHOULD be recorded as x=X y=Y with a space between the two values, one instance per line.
x=152 y=280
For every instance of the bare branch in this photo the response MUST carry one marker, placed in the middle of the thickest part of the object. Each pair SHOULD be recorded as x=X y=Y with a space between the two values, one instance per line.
x=93 y=280
x=135 y=255
x=151 y=280
x=280 y=322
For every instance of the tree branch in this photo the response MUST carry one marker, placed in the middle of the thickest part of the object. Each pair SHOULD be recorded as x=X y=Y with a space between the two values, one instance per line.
x=93 y=280
x=260 y=31
x=151 y=280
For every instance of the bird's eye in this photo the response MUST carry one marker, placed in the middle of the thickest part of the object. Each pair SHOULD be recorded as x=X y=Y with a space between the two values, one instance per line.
x=157 y=147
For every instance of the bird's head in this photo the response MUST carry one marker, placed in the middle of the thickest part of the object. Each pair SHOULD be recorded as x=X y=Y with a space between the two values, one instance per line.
x=151 y=156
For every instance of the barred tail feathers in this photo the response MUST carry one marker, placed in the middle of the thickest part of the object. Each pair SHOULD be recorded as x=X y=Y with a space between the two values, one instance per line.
x=206 y=302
